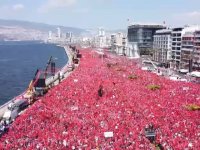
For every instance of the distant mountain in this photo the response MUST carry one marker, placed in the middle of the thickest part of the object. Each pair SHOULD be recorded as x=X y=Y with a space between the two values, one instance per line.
x=117 y=31
x=40 y=26
x=94 y=31
x=19 y=30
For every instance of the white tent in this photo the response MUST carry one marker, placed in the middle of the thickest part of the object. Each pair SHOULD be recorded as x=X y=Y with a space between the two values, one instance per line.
x=174 y=78
x=195 y=74
x=184 y=70
x=7 y=115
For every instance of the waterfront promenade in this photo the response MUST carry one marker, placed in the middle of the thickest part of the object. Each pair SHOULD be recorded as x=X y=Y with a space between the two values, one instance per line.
x=73 y=115
x=63 y=72
x=49 y=81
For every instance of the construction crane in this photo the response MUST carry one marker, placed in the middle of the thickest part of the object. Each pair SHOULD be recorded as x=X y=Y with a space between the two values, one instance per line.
x=37 y=85
x=51 y=64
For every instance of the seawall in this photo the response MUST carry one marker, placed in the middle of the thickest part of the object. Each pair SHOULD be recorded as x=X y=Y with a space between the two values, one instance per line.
x=49 y=81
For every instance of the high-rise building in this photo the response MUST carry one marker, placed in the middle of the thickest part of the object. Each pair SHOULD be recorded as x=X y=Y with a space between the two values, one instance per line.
x=101 y=32
x=176 y=45
x=190 y=51
x=187 y=50
x=162 y=46
x=50 y=35
x=118 y=43
x=69 y=36
x=101 y=39
x=140 y=36
x=182 y=45
x=59 y=32
x=196 y=57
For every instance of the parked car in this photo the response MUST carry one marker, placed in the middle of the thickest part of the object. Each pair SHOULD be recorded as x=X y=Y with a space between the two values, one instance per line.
x=3 y=128
x=14 y=109
x=21 y=104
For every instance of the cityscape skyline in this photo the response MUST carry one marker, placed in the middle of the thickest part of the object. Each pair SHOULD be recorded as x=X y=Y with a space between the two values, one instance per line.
x=108 y=14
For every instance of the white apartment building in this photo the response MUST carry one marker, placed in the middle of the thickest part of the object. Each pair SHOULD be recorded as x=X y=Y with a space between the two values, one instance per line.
x=69 y=36
x=187 y=50
x=196 y=56
x=59 y=32
x=176 y=45
x=101 y=39
x=50 y=35
x=162 y=46
x=190 y=51
x=118 y=43
x=177 y=48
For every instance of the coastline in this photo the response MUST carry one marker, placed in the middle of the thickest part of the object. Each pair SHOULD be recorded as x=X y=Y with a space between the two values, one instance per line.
x=64 y=72
x=51 y=80
x=19 y=62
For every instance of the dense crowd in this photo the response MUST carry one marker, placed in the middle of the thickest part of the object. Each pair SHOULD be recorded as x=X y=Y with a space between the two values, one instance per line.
x=106 y=104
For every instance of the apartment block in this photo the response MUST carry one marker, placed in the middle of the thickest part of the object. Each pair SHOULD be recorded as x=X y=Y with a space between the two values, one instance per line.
x=162 y=46
x=140 y=36
x=118 y=43
x=190 y=53
x=176 y=45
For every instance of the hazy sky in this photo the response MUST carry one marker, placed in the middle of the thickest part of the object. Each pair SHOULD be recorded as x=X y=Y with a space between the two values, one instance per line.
x=110 y=14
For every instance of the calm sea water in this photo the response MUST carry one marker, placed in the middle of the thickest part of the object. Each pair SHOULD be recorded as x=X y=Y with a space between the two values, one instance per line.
x=20 y=60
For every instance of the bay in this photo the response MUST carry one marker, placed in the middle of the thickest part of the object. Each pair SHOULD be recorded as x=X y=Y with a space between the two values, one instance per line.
x=20 y=60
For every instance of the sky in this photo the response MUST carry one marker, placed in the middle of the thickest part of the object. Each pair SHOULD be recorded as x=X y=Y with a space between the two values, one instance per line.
x=109 y=14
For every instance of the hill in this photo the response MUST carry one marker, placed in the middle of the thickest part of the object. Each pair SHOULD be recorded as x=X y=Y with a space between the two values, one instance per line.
x=21 y=30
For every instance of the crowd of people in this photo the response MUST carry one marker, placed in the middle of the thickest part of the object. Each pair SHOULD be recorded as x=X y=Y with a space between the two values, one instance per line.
x=109 y=96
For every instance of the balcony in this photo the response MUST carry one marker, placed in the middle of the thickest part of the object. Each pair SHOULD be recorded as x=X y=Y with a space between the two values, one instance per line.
x=197 y=41
x=197 y=46
x=187 y=48
x=187 y=44
x=176 y=46
x=176 y=33
x=197 y=35
x=183 y=60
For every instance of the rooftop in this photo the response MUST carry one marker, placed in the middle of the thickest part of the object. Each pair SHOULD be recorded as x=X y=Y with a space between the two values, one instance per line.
x=164 y=31
x=158 y=26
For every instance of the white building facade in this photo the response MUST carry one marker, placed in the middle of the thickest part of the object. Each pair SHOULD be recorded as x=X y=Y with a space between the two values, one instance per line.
x=59 y=32
x=162 y=46
x=177 y=34
x=177 y=48
x=50 y=35
x=118 y=43
x=100 y=39
x=190 y=51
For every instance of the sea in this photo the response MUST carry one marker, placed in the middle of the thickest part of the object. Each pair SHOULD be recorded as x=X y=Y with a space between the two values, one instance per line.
x=19 y=62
